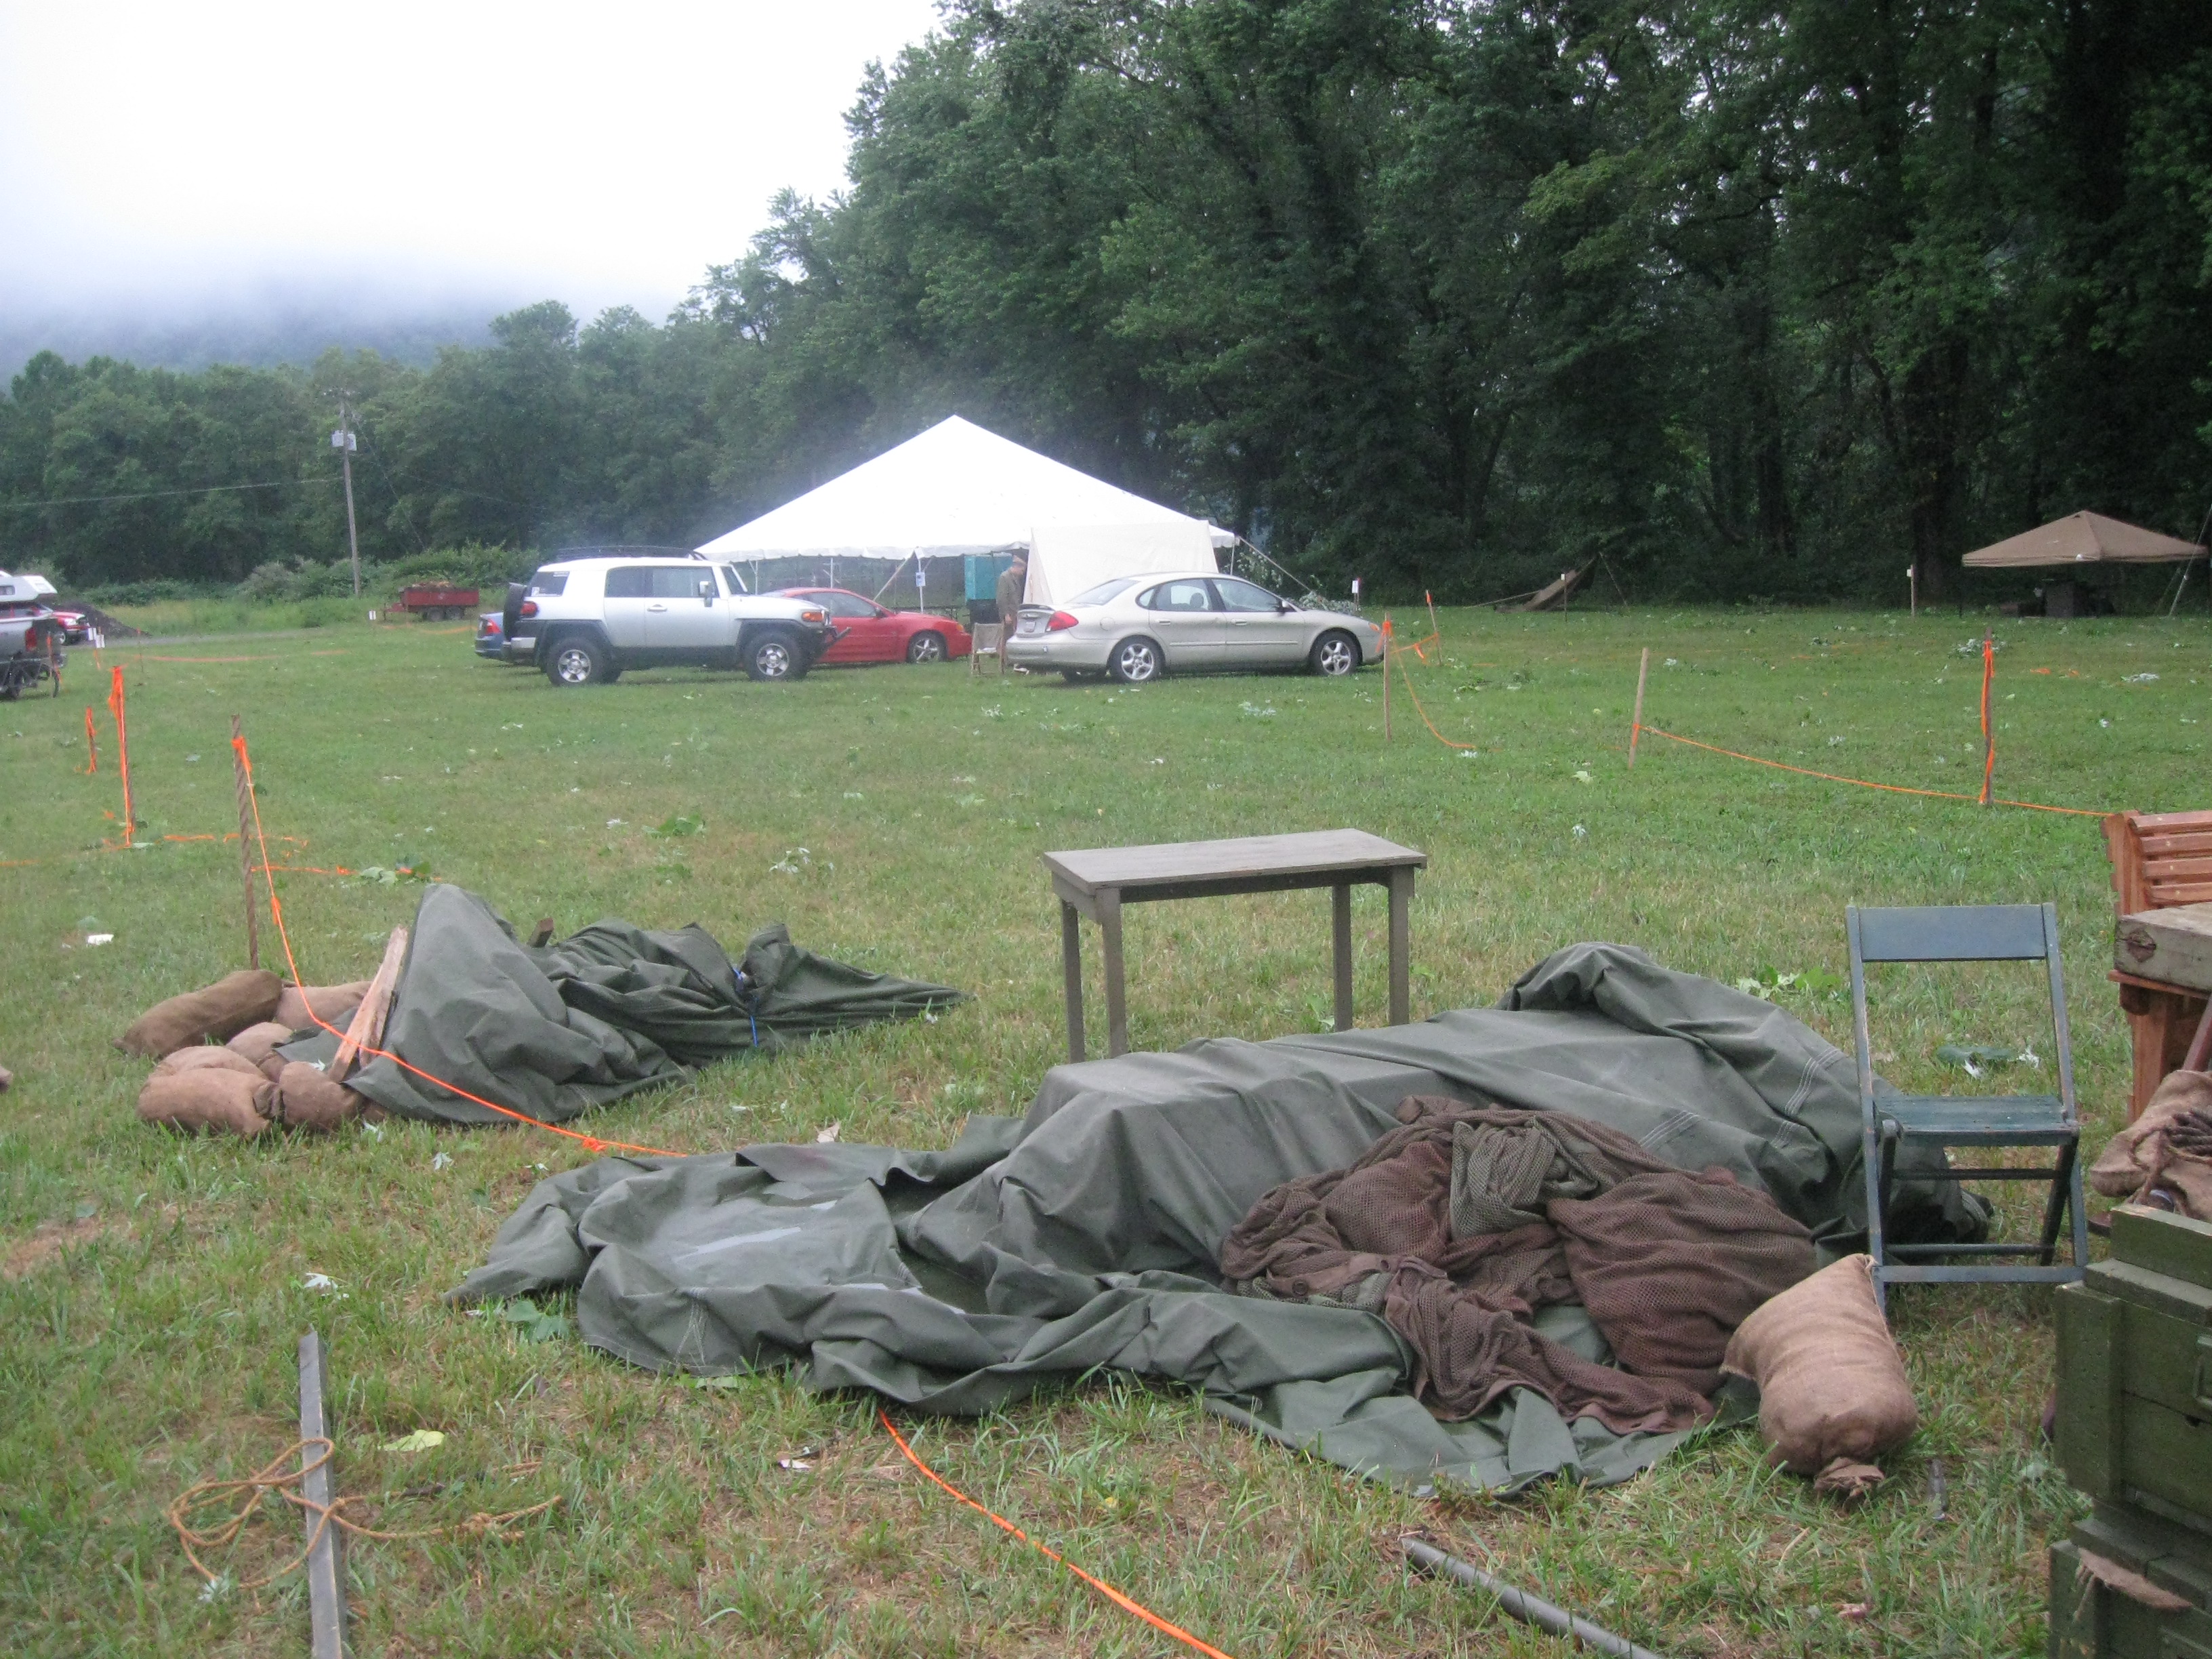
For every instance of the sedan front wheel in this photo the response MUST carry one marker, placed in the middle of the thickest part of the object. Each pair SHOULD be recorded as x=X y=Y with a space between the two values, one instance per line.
x=925 y=648
x=1335 y=653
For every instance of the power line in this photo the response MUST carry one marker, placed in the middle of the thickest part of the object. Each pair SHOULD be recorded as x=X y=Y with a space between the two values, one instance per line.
x=148 y=495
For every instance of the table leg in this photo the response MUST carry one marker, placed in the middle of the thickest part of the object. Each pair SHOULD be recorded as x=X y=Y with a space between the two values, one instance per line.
x=1117 y=1009
x=1071 y=968
x=1401 y=947
x=1339 y=916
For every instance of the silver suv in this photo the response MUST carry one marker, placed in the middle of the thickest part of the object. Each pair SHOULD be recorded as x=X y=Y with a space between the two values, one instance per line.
x=586 y=620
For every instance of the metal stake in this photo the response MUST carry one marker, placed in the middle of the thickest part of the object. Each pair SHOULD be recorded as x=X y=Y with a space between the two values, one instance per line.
x=1530 y=1609
x=326 y=1606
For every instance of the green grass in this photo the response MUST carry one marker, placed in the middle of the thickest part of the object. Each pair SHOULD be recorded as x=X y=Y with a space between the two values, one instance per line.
x=151 y=1294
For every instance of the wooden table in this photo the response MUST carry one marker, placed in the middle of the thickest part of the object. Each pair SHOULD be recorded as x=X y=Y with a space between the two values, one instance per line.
x=1096 y=882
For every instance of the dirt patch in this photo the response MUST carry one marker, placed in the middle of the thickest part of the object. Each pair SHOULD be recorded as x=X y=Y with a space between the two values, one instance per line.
x=26 y=1256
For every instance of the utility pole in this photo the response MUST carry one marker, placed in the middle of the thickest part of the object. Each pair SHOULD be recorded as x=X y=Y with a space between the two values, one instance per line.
x=342 y=441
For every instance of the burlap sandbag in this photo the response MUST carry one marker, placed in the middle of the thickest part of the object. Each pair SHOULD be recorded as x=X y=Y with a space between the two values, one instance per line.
x=1831 y=1384
x=210 y=1097
x=2168 y=1148
x=206 y=1057
x=298 y=1006
x=220 y=1011
x=308 y=1100
x=259 y=1042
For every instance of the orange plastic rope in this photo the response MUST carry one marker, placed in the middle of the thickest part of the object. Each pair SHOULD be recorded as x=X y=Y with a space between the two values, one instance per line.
x=1407 y=675
x=590 y=1142
x=1831 y=777
x=1125 y=1603
x=91 y=744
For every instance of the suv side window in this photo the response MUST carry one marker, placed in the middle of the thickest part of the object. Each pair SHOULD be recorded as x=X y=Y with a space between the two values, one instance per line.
x=630 y=581
x=548 y=584
x=680 y=581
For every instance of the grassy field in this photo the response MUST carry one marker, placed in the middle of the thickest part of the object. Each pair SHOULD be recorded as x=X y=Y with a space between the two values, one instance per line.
x=152 y=1289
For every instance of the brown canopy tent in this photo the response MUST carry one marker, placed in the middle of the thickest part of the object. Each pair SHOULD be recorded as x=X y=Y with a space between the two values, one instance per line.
x=2079 y=539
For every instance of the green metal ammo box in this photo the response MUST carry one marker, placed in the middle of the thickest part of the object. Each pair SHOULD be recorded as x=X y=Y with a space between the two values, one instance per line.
x=2134 y=1432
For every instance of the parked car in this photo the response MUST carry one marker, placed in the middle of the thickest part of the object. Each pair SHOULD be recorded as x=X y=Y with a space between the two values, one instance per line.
x=1138 y=628
x=867 y=632
x=491 y=636
x=586 y=620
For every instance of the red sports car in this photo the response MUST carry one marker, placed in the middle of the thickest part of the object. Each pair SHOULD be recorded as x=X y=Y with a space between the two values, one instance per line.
x=869 y=633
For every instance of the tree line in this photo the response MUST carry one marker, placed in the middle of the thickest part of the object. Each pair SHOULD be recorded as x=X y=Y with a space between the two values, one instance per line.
x=1751 y=298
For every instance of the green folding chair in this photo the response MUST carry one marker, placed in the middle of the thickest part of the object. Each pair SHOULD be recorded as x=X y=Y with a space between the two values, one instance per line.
x=1967 y=932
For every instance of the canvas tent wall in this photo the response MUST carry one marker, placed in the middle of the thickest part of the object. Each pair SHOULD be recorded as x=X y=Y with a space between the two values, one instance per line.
x=957 y=489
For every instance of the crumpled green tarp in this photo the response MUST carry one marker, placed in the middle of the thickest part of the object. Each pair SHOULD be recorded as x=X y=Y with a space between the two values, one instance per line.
x=553 y=1032
x=1086 y=1234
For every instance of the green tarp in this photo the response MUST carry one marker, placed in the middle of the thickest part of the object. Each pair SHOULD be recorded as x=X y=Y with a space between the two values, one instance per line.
x=553 y=1031
x=1085 y=1234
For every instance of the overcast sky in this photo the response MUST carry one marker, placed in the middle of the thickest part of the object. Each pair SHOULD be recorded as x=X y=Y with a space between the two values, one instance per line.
x=201 y=151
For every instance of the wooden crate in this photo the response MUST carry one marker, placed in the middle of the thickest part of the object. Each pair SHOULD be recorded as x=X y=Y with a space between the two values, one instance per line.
x=2134 y=1432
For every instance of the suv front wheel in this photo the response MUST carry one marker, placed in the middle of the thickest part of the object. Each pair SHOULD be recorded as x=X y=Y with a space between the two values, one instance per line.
x=775 y=654
x=579 y=659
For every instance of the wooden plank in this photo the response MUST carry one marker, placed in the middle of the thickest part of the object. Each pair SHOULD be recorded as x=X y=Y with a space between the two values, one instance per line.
x=2163 y=867
x=2165 y=896
x=1249 y=855
x=2176 y=844
x=2090 y=1327
x=366 y=1029
x=326 y=1606
x=2167 y=1454
x=2164 y=1243
x=2170 y=946
x=2165 y=1361
x=2199 y=819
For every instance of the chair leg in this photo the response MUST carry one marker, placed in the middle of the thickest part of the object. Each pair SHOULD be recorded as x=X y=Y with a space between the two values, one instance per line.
x=2061 y=1200
x=1874 y=1156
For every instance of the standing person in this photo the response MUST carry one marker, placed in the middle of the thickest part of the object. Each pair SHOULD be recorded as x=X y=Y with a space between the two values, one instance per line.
x=1011 y=581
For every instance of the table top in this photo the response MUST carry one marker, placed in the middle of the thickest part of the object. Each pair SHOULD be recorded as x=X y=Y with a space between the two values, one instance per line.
x=1312 y=851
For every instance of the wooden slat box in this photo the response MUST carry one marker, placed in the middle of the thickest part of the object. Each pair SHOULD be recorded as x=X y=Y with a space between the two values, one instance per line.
x=2134 y=1432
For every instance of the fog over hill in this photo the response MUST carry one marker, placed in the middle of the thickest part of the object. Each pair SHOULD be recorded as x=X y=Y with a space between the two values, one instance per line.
x=294 y=327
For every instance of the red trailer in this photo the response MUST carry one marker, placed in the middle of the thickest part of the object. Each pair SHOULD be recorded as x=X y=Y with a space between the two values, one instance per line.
x=435 y=602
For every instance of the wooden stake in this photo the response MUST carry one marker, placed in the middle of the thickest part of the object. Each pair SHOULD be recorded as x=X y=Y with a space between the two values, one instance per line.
x=1386 y=679
x=1636 y=725
x=326 y=1607
x=246 y=842
x=366 y=1029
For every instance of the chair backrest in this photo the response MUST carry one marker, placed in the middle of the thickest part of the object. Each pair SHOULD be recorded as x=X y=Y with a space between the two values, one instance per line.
x=1957 y=933
x=2160 y=859
x=1950 y=932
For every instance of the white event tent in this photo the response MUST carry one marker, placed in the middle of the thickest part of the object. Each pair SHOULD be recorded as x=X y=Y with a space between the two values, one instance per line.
x=956 y=489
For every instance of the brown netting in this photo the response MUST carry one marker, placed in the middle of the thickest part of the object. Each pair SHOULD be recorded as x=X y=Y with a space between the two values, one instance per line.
x=1667 y=1260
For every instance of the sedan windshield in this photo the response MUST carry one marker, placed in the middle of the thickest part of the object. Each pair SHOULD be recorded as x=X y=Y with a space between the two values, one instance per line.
x=1105 y=592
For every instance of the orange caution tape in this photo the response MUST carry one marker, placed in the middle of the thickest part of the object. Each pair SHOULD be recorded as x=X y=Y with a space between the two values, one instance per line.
x=91 y=744
x=1893 y=788
x=1127 y=1604
x=590 y=1142
x=1988 y=742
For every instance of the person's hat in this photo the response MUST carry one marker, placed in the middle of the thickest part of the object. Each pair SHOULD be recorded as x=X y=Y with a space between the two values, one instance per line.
x=1021 y=558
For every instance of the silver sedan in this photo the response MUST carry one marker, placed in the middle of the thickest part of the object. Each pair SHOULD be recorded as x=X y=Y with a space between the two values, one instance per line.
x=1136 y=628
